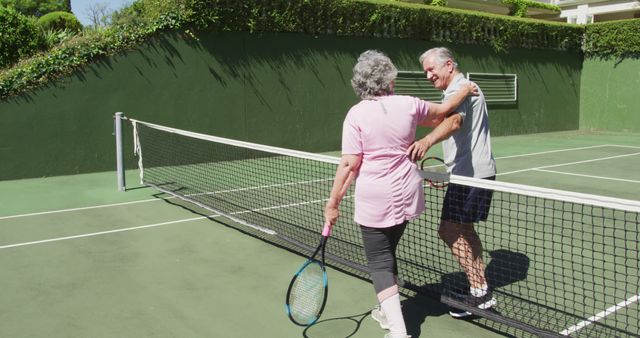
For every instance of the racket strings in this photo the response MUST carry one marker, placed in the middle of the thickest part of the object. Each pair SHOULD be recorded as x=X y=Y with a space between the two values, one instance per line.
x=307 y=294
x=436 y=171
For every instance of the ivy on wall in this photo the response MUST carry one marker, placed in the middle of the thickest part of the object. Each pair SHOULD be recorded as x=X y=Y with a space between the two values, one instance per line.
x=618 y=39
x=374 y=18
x=519 y=7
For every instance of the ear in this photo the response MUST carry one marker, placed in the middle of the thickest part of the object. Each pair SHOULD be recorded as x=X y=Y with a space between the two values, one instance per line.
x=450 y=66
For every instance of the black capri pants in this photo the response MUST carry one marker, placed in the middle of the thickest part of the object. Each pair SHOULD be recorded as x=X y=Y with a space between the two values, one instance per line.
x=380 y=248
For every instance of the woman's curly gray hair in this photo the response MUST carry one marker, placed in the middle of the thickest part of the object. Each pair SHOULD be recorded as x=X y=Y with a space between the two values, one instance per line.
x=373 y=74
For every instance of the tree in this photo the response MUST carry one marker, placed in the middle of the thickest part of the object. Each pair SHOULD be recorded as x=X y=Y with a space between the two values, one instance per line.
x=36 y=8
x=99 y=15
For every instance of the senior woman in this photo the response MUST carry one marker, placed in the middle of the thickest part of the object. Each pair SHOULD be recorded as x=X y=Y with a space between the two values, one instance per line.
x=376 y=135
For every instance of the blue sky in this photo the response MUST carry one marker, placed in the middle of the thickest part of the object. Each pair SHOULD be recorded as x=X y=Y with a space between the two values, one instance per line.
x=80 y=7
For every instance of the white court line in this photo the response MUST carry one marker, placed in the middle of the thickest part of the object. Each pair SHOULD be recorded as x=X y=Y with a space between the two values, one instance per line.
x=79 y=209
x=553 y=151
x=588 y=176
x=163 y=223
x=159 y=199
x=600 y=315
x=568 y=163
x=623 y=146
x=102 y=232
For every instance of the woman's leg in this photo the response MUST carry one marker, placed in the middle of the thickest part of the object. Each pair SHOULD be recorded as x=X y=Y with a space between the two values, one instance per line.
x=380 y=245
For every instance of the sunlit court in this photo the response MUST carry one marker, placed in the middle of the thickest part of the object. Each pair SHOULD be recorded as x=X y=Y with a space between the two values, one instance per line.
x=82 y=253
x=307 y=168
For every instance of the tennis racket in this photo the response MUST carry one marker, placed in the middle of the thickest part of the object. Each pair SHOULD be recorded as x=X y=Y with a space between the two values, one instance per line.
x=434 y=171
x=308 y=290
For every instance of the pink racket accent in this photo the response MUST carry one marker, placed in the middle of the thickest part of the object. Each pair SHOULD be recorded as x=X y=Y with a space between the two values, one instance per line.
x=326 y=231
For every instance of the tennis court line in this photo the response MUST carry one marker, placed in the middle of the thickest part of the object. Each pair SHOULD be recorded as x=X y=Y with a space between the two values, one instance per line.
x=588 y=176
x=92 y=234
x=600 y=315
x=623 y=146
x=552 y=151
x=568 y=163
x=79 y=209
x=159 y=199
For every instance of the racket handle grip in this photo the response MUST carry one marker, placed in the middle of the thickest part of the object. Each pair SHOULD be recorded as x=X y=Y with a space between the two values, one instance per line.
x=326 y=231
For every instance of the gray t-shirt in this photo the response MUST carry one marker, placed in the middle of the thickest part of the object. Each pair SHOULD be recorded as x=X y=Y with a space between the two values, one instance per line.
x=467 y=152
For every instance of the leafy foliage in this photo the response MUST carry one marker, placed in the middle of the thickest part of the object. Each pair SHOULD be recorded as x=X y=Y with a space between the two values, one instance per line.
x=437 y=3
x=613 y=39
x=60 y=21
x=377 y=18
x=54 y=37
x=519 y=7
x=37 y=8
x=20 y=36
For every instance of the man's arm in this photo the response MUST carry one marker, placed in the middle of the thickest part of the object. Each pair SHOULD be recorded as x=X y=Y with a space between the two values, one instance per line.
x=445 y=129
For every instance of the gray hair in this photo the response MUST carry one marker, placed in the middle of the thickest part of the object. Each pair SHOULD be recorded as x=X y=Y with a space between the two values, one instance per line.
x=373 y=74
x=441 y=55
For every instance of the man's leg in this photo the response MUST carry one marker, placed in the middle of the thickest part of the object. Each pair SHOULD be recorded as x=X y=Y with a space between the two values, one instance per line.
x=466 y=246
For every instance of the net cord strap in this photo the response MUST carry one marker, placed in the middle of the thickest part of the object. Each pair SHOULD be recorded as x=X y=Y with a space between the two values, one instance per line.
x=137 y=150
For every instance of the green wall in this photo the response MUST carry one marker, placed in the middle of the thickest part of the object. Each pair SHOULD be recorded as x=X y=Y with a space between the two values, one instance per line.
x=609 y=95
x=289 y=90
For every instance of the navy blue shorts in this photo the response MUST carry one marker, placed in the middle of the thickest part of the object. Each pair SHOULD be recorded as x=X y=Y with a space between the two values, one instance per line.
x=465 y=204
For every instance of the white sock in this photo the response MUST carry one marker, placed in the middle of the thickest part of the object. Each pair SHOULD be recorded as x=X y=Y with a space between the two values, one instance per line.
x=393 y=311
x=481 y=291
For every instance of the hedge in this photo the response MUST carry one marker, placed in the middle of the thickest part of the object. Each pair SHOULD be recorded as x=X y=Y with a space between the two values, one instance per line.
x=618 y=39
x=60 y=21
x=375 y=18
x=19 y=36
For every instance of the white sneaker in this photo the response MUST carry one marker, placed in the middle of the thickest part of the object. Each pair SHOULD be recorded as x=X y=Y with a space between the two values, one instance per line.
x=388 y=335
x=378 y=315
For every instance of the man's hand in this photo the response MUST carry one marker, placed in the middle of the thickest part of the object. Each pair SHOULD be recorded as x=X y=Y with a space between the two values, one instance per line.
x=417 y=150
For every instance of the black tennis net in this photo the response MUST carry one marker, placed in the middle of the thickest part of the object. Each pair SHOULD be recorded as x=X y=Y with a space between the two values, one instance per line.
x=558 y=263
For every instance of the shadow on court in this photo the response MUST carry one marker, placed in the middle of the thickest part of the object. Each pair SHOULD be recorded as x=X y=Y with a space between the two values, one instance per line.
x=505 y=268
x=337 y=327
x=427 y=303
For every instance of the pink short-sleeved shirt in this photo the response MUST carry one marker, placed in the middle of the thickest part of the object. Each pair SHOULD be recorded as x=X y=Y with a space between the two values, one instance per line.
x=389 y=187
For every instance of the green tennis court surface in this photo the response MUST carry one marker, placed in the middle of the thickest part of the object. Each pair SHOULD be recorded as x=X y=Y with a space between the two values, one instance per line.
x=81 y=259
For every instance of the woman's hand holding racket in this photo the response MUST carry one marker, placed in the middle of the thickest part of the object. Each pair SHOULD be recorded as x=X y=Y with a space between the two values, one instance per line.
x=308 y=290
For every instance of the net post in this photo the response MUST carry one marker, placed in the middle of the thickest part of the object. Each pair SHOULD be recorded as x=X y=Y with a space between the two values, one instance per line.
x=119 y=157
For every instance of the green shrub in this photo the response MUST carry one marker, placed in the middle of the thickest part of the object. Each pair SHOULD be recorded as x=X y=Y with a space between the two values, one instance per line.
x=60 y=21
x=373 y=18
x=54 y=37
x=519 y=7
x=613 y=39
x=19 y=36
x=37 y=7
x=437 y=3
